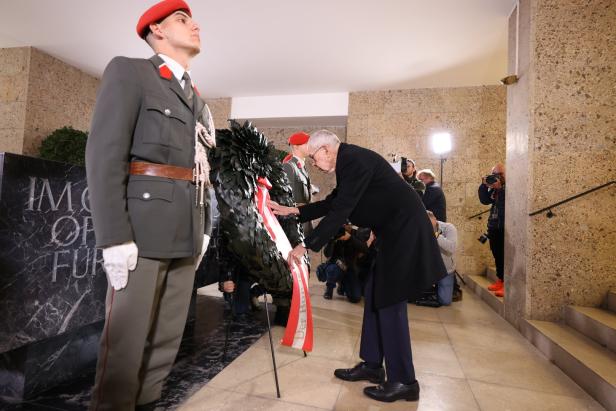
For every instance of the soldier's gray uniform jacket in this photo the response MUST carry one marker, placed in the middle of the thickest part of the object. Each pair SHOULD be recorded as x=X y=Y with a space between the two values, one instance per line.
x=299 y=181
x=141 y=115
x=300 y=184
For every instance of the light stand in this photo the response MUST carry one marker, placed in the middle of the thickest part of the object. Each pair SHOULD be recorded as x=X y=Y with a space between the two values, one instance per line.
x=441 y=145
x=443 y=159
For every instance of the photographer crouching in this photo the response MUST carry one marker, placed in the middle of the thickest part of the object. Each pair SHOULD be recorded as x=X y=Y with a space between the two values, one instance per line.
x=447 y=237
x=492 y=191
x=343 y=252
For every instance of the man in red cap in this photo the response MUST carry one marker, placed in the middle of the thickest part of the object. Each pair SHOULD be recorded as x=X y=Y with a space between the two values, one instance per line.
x=148 y=179
x=294 y=166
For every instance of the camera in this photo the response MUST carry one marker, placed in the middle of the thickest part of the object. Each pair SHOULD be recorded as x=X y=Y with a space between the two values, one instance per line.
x=483 y=238
x=404 y=165
x=491 y=178
x=340 y=233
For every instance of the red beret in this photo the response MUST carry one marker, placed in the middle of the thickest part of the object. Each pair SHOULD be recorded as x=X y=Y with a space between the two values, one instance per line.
x=158 y=12
x=298 y=139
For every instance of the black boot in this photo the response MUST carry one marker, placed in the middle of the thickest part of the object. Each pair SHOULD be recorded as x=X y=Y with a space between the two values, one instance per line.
x=361 y=372
x=393 y=391
x=329 y=293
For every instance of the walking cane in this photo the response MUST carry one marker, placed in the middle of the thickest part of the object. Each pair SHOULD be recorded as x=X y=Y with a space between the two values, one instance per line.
x=269 y=330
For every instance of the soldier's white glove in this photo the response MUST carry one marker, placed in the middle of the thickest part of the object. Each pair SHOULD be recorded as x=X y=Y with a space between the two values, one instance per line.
x=206 y=241
x=118 y=261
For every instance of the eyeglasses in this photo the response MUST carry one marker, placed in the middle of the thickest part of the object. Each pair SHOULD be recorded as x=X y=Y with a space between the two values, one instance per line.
x=315 y=153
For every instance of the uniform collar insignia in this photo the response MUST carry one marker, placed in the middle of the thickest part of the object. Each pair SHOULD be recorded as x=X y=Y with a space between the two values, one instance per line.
x=164 y=71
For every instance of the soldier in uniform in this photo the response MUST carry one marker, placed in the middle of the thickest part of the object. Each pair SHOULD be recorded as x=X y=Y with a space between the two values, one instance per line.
x=146 y=162
x=294 y=166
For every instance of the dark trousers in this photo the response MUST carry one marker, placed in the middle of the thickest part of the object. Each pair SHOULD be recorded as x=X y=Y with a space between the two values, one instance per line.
x=497 y=245
x=241 y=296
x=348 y=279
x=385 y=335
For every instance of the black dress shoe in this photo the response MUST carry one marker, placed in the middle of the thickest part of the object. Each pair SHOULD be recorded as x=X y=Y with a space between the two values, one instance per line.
x=361 y=372
x=393 y=391
x=329 y=293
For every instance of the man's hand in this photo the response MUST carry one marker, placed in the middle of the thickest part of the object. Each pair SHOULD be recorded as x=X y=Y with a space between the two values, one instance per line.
x=296 y=255
x=206 y=242
x=118 y=260
x=371 y=239
x=280 y=209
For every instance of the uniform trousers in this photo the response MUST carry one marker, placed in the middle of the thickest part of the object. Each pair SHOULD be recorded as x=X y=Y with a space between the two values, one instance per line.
x=385 y=335
x=144 y=323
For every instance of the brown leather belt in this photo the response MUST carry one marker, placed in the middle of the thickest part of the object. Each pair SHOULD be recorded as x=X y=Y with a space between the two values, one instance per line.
x=161 y=170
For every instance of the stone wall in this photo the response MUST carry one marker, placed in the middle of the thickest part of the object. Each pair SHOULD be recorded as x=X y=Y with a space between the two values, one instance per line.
x=562 y=117
x=14 y=69
x=325 y=182
x=221 y=111
x=58 y=95
x=402 y=121
x=38 y=94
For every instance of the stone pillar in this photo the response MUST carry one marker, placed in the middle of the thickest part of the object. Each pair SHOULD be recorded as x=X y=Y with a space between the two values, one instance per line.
x=561 y=140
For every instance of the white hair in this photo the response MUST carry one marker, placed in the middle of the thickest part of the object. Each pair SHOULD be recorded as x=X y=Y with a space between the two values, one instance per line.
x=322 y=138
x=428 y=172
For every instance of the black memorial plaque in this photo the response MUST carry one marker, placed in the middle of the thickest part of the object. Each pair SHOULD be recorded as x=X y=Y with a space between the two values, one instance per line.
x=52 y=284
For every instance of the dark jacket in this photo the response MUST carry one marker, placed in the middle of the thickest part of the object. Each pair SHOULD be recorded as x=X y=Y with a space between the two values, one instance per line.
x=434 y=200
x=496 y=220
x=300 y=185
x=348 y=250
x=141 y=115
x=370 y=194
x=416 y=184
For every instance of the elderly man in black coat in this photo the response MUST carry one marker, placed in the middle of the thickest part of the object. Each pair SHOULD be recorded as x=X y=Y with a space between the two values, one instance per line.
x=370 y=194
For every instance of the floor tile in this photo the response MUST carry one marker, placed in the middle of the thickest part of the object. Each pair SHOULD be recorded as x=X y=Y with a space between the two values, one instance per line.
x=209 y=399
x=309 y=381
x=500 y=398
x=528 y=371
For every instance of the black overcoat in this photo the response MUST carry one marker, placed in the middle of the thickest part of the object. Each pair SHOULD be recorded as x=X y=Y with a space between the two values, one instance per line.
x=369 y=193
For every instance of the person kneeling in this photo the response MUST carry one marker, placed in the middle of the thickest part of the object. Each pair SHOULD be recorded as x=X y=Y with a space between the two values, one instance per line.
x=340 y=269
x=447 y=238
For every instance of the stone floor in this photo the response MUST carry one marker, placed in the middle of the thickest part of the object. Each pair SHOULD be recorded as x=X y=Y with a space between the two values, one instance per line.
x=466 y=358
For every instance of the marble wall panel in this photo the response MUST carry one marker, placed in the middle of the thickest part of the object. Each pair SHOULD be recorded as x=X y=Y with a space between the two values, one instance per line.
x=402 y=121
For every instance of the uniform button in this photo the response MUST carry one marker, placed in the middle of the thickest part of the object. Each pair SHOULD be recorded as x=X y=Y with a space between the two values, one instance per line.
x=146 y=196
x=167 y=112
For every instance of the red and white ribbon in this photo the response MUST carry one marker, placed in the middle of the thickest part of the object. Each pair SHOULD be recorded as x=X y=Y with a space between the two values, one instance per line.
x=298 y=333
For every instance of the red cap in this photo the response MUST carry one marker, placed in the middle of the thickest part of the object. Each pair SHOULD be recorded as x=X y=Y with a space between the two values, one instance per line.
x=298 y=139
x=158 y=12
